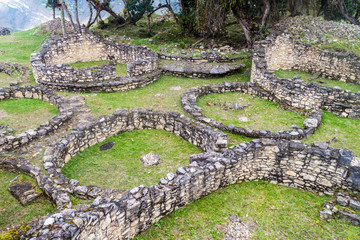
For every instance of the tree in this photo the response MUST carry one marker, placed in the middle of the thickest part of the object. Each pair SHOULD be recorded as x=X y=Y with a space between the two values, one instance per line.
x=63 y=26
x=52 y=4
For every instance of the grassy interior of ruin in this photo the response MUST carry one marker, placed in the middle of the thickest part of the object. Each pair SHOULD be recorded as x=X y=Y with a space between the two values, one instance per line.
x=273 y=211
x=260 y=114
x=12 y=213
x=120 y=167
x=121 y=68
x=25 y=114
x=321 y=81
x=278 y=212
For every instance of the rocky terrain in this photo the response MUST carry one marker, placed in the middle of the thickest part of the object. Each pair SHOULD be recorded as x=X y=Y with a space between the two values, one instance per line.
x=318 y=30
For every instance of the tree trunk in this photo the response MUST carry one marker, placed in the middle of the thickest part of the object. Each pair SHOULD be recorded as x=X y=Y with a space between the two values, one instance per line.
x=91 y=14
x=63 y=18
x=172 y=11
x=346 y=14
x=149 y=24
x=53 y=12
x=77 y=15
x=243 y=23
x=70 y=17
x=266 y=13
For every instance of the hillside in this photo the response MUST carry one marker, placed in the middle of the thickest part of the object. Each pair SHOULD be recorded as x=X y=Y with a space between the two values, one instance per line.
x=23 y=15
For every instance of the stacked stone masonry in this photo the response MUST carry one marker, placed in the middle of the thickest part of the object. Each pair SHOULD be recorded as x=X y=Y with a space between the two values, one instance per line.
x=87 y=135
x=55 y=192
x=189 y=98
x=205 y=56
x=202 y=70
x=50 y=65
x=10 y=142
x=291 y=163
x=287 y=54
x=294 y=92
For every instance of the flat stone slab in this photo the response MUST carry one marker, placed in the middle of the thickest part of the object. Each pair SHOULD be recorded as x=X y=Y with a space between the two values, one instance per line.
x=150 y=159
x=24 y=192
x=107 y=146
x=204 y=68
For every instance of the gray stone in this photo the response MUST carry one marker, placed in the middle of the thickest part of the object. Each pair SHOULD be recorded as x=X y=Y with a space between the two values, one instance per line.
x=150 y=159
x=107 y=146
x=326 y=215
x=354 y=204
x=24 y=192
x=311 y=123
x=342 y=201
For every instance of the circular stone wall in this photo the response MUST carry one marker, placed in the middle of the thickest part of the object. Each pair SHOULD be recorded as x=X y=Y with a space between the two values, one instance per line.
x=279 y=51
x=122 y=120
x=9 y=142
x=189 y=98
x=50 y=65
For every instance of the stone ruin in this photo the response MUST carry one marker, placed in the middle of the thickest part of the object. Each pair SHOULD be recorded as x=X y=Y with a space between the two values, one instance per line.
x=51 y=69
x=279 y=51
x=274 y=157
x=189 y=98
x=9 y=142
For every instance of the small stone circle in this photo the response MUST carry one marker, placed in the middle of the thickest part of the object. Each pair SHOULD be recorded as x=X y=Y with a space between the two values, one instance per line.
x=189 y=98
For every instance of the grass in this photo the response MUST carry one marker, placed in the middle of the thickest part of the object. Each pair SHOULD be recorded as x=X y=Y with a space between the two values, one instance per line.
x=157 y=95
x=346 y=130
x=18 y=46
x=278 y=213
x=25 y=114
x=322 y=81
x=12 y=213
x=92 y=166
x=341 y=45
x=261 y=114
x=121 y=69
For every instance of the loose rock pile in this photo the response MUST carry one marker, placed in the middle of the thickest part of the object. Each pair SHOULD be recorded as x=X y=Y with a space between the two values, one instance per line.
x=330 y=210
x=4 y=31
x=10 y=68
x=317 y=30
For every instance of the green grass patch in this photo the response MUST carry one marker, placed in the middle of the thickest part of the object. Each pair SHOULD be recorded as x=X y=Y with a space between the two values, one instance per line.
x=120 y=167
x=12 y=213
x=278 y=213
x=346 y=131
x=121 y=68
x=322 y=81
x=18 y=46
x=341 y=45
x=157 y=95
x=78 y=65
x=260 y=113
x=25 y=114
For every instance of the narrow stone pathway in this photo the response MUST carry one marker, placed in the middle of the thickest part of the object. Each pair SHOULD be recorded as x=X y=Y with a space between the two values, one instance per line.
x=34 y=150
